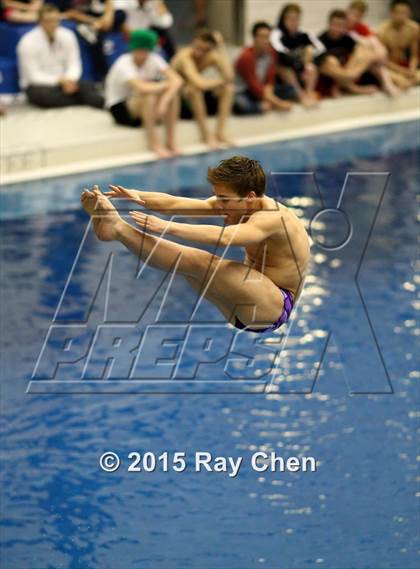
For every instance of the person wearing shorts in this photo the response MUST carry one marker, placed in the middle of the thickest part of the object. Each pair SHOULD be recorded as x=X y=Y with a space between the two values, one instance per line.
x=296 y=51
x=255 y=294
x=141 y=89
x=344 y=61
x=203 y=95
x=401 y=35
x=364 y=36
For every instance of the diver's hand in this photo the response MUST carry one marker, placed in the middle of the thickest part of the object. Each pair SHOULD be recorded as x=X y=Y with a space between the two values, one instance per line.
x=149 y=223
x=124 y=193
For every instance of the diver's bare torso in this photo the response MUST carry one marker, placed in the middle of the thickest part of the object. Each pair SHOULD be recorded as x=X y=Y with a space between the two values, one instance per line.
x=284 y=256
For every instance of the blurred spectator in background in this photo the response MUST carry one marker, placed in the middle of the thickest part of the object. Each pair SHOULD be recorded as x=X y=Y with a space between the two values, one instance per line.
x=149 y=14
x=363 y=35
x=21 y=12
x=296 y=51
x=95 y=18
x=344 y=62
x=356 y=11
x=400 y=35
x=204 y=95
x=50 y=67
x=255 y=76
x=141 y=88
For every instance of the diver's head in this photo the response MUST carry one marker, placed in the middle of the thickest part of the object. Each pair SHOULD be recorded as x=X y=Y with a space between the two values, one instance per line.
x=238 y=185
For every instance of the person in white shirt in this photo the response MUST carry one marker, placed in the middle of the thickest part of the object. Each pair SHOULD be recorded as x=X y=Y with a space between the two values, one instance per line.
x=141 y=88
x=95 y=19
x=149 y=14
x=50 y=66
x=144 y=14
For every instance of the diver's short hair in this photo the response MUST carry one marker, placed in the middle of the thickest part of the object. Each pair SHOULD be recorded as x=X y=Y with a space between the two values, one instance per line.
x=240 y=173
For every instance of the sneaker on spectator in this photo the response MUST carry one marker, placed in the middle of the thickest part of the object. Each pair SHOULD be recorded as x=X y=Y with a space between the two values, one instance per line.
x=87 y=33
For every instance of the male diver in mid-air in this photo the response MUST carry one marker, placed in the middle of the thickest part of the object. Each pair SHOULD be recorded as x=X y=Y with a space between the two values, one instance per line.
x=257 y=294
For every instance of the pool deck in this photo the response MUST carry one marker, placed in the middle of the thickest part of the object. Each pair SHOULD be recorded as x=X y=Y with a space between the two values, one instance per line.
x=37 y=144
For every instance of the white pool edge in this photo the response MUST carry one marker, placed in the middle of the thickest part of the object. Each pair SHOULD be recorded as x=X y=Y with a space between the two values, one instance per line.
x=331 y=126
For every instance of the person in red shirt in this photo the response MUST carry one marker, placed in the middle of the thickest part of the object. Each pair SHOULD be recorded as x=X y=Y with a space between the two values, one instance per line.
x=363 y=35
x=355 y=14
x=255 y=76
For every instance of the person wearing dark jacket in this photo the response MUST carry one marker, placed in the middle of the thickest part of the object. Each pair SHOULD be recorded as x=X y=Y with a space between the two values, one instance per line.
x=296 y=51
x=344 y=61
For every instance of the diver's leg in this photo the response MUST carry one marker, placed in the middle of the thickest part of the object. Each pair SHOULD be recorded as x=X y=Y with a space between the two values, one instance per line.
x=241 y=290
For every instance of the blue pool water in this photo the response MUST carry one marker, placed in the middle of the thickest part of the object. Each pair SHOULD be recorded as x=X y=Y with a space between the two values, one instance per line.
x=357 y=415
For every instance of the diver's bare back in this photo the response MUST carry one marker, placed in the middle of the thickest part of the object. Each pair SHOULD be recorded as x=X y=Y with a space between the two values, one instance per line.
x=284 y=256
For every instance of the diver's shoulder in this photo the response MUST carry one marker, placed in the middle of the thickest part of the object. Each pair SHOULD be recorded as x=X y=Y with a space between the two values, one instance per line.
x=272 y=205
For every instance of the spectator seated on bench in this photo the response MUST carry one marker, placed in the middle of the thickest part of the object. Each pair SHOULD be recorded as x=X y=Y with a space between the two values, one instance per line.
x=153 y=15
x=94 y=19
x=51 y=77
x=255 y=76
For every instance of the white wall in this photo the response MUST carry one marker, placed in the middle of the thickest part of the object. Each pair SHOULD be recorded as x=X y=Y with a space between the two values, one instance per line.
x=314 y=12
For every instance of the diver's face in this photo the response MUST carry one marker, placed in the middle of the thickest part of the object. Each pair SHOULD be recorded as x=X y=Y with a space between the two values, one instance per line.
x=400 y=14
x=229 y=204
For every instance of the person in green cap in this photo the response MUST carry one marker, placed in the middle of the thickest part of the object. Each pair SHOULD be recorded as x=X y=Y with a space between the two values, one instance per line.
x=141 y=89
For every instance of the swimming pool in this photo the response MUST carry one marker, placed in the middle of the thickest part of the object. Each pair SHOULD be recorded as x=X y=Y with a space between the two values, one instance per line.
x=357 y=416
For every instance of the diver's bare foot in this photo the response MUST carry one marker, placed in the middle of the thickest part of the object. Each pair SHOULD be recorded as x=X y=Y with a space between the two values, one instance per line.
x=105 y=218
x=85 y=194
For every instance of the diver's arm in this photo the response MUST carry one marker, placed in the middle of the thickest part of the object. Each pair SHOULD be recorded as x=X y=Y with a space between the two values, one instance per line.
x=258 y=228
x=163 y=202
